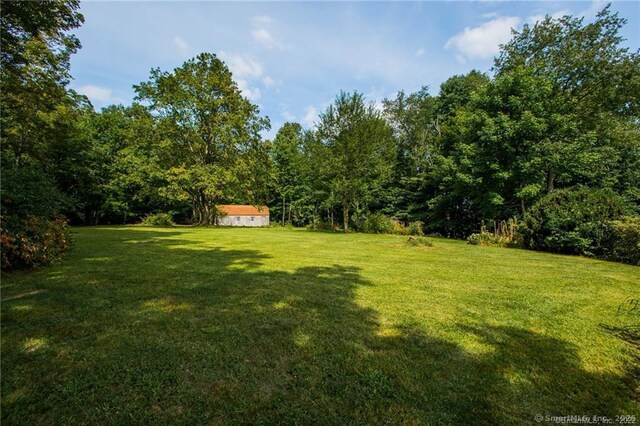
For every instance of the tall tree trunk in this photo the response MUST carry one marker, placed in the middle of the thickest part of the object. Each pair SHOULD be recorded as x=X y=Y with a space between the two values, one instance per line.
x=524 y=210
x=283 y=209
x=204 y=210
x=194 y=210
x=197 y=216
x=345 y=218
x=205 y=213
x=551 y=175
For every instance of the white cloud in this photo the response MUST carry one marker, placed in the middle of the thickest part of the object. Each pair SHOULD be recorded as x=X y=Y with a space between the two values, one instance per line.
x=252 y=93
x=97 y=94
x=310 y=116
x=376 y=95
x=268 y=81
x=595 y=7
x=532 y=20
x=181 y=44
x=245 y=72
x=420 y=52
x=288 y=116
x=484 y=41
x=242 y=66
x=262 y=35
x=262 y=20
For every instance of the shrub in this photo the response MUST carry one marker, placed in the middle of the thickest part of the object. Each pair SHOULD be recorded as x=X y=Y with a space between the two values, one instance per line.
x=419 y=242
x=31 y=232
x=33 y=242
x=625 y=240
x=476 y=239
x=398 y=228
x=416 y=228
x=573 y=221
x=505 y=234
x=377 y=223
x=158 y=219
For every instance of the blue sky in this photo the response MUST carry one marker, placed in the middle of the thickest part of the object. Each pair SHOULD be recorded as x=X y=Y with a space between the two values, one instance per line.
x=292 y=59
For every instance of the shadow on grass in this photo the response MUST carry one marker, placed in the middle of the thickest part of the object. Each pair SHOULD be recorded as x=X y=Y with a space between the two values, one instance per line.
x=145 y=327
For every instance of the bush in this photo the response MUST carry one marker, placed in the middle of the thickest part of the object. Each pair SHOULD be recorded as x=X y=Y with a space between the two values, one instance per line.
x=32 y=234
x=573 y=221
x=158 y=219
x=33 y=242
x=416 y=228
x=625 y=240
x=419 y=242
x=377 y=223
x=505 y=234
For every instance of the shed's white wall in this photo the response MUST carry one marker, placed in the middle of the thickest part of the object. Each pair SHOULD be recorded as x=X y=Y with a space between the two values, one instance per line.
x=231 y=220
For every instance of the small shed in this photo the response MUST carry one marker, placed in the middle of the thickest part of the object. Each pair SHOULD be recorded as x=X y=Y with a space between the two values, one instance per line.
x=242 y=215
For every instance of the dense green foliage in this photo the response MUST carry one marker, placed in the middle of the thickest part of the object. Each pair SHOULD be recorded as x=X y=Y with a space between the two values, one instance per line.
x=43 y=168
x=560 y=110
x=377 y=223
x=158 y=219
x=352 y=153
x=32 y=233
x=193 y=325
x=290 y=188
x=625 y=240
x=573 y=221
x=208 y=136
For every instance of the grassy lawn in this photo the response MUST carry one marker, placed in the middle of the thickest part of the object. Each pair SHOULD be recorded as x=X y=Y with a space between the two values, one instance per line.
x=186 y=325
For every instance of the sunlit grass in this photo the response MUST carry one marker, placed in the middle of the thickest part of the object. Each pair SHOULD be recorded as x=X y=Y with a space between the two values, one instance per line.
x=194 y=325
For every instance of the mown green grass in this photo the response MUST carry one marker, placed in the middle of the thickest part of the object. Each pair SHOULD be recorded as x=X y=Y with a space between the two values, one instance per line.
x=191 y=325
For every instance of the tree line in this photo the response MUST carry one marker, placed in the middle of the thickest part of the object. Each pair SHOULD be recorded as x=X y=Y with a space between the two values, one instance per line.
x=559 y=111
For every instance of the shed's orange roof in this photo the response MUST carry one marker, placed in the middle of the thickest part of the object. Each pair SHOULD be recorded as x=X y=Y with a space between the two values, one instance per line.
x=243 y=210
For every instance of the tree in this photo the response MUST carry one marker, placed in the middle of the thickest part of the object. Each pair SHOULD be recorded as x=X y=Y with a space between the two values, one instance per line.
x=210 y=135
x=457 y=90
x=494 y=144
x=357 y=148
x=594 y=82
x=450 y=186
x=416 y=128
x=290 y=182
x=40 y=127
x=44 y=22
x=34 y=73
x=554 y=115
x=126 y=167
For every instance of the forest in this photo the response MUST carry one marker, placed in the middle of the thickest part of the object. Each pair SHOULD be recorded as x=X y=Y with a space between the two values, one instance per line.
x=542 y=151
